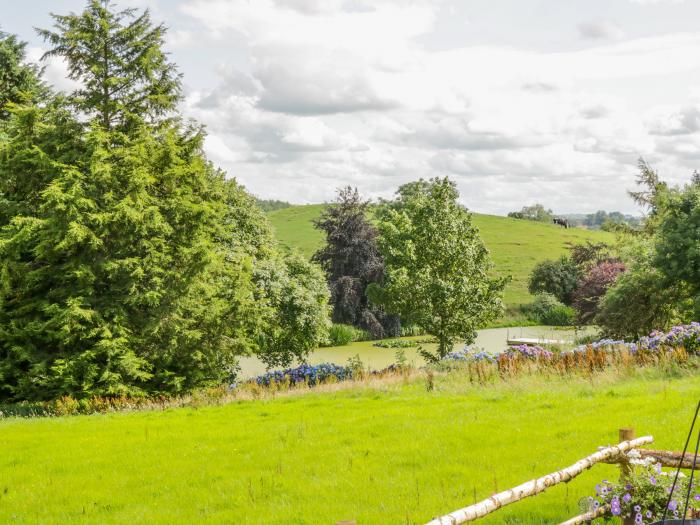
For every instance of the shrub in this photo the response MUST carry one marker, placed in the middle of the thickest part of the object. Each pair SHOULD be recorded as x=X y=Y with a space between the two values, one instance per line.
x=558 y=277
x=561 y=315
x=638 y=302
x=546 y=309
x=404 y=343
x=411 y=330
x=344 y=334
x=340 y=334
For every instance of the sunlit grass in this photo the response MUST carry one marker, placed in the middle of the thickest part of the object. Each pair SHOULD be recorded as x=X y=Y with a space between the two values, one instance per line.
x=382 y=454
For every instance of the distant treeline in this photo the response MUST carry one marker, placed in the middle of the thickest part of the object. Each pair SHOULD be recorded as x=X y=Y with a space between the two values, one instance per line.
x=601 y=219
x=272 y=204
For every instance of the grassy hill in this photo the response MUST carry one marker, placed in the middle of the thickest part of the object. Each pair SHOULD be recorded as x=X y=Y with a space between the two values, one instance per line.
x=515 y=245
x=384 y=453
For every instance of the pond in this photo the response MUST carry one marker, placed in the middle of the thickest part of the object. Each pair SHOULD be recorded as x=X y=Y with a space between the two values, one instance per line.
x=492 y=340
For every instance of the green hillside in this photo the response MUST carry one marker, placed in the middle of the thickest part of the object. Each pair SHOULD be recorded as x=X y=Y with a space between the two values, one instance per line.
x=515 y=245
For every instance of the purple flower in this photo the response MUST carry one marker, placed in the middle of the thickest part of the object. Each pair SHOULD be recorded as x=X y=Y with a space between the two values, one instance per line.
x=615 y=507
x=627 y=497
x=638 y=519
x=696 y=497
x=673 y=505
x=652 y=480
x=637 y=508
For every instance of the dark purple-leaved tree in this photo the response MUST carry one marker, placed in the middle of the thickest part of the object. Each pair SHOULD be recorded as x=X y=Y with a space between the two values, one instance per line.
x=352 y=261
x=592 y=288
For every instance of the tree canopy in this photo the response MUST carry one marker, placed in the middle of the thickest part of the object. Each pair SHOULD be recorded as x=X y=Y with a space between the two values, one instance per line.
x=677 y=254
x=128 y=264
x=352 y=262
x=437 y=267
x=536 y=212
x=557 y=277
x=20 y=82
x=117 y=57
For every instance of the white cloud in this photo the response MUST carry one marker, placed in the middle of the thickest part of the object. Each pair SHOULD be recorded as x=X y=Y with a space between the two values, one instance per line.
x=650 y=2
x=510 y=101
x=600 y=29
x=336 y=96
x=315 y=94
x=55 y=69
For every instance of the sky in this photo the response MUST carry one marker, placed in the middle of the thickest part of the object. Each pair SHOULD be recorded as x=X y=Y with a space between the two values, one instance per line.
x=518 y=101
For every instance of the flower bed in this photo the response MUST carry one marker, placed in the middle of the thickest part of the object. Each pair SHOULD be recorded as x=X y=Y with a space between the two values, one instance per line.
x=644 y=494
x=672 y=346
x=308 y=374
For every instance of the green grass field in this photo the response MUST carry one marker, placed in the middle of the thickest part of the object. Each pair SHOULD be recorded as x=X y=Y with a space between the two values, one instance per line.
x=515 y=245
x=382 y=454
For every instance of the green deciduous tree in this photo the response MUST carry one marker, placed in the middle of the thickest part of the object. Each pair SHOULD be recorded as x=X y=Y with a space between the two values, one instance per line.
x=677 y=254
x=636 y=304
x=436 y=264
x=298 y=313
x=557 y=277
x=292 y=313
x=536 y=212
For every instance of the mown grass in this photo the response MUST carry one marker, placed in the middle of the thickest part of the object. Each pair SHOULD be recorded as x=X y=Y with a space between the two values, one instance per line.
x=386 y=453
x=515 y=245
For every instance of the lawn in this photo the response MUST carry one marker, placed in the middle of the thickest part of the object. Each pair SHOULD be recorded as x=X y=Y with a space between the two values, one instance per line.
x=515 y=245
x=388 y=454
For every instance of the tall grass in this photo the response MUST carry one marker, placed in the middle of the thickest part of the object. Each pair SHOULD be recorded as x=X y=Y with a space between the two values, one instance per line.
x=380 y=451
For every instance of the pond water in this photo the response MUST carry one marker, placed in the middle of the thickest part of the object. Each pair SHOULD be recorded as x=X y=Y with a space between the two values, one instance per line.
x=492 y=340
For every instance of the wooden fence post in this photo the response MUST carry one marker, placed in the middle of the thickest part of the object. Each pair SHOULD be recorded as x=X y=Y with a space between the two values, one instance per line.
x=626 y=434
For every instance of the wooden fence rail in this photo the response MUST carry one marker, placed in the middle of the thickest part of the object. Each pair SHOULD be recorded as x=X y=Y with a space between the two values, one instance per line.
x=538 y=485
x=667 y=458
x=588 y=516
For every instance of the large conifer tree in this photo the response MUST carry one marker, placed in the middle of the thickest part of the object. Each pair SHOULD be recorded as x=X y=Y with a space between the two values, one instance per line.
x=114 y=276
x=19 y=82
x=117 y=57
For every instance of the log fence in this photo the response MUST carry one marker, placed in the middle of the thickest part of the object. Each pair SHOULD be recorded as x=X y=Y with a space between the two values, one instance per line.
x=615 y=454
